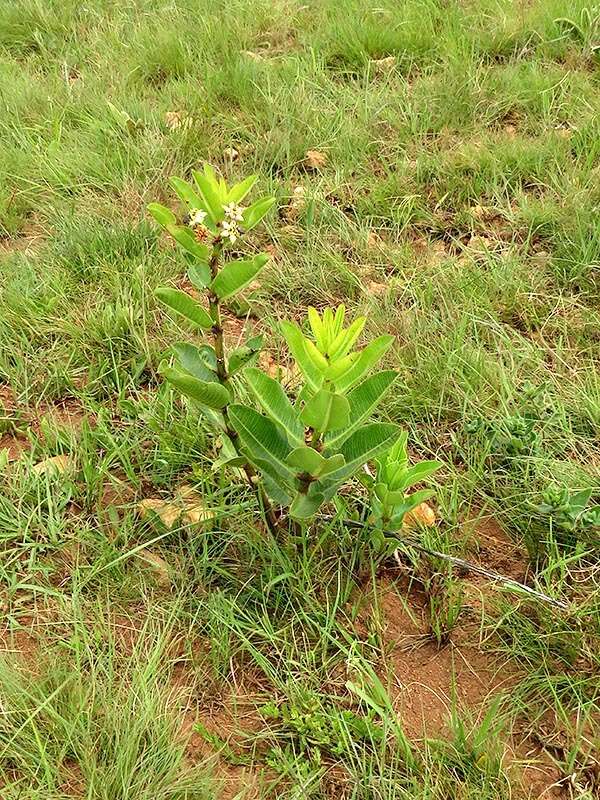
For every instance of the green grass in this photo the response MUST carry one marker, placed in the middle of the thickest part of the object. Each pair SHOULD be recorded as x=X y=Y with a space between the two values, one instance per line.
x=457 y=207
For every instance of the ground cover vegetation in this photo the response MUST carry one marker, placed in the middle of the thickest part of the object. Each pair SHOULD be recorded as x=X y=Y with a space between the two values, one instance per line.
x=266 y=267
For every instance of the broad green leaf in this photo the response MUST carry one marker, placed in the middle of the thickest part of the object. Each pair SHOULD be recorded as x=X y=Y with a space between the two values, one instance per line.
x=240 y=190
x=317 y=358
x=415 y=474
x=207 y=353
x=295 y=341
x=164 y=216
x=382 y=491
x=306 y=505
x=241 y=357
x=232 y=462
x=338 y=320
x=410 y=504
x=207 y=393
x=236 y=275
x=254 y=213
x=185 y=305
x=185 y=238
x=318 y=329
x=363 y=400
x=398 y=452
x=332 y=464
x=211 y=200
x=275 y=402
x=261 y=438
x=278 y=493
x=306 y=459
x=340 y=367
x=411 y=501
x=228 y=455
x=304 y=395
x=368 y=357
x=186 y=193
x=343 y=342
x=579 y=500
x=329 y=321
x=365 y=444
x=326 y=411
x=199 y=275
x=192 y=360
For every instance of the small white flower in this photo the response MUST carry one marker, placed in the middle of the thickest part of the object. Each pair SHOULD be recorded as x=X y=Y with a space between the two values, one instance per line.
x=234 y=212
x=197 y=217
x=230 y=230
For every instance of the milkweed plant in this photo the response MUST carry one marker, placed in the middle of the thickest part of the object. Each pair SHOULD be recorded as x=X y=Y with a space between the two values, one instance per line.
x=296 y=452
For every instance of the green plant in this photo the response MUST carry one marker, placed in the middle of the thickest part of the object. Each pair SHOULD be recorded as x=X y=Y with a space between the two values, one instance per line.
x=214 y=220
x=390 y=499
x=306 y=450
x=296 y=452
x=568 y=514
x=394 y=476
x=316 y=729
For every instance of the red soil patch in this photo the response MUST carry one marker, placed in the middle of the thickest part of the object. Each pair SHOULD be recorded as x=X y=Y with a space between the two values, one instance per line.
x=427 y=680
x=230 y=717
x=494 y=549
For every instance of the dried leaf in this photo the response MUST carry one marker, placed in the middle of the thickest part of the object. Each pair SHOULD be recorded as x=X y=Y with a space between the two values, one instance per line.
x=423 y=514
x=194 y=509
x=177 y=119
x=483 y=212
x=314 y=159
x=296 y=205
x=289 y=376
x=564 y=133
x=384 y=64
x=186 y=507
x=376 y=288
x=53 y=466
x=161 y=568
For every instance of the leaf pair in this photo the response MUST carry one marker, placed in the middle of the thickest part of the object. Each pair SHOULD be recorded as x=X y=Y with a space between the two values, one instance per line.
x=229 y=280
x=324 y=411
x=266 y=444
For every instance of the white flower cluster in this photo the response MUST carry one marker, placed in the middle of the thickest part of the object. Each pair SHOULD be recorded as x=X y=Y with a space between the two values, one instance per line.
x=196 y=217
x=234 y=214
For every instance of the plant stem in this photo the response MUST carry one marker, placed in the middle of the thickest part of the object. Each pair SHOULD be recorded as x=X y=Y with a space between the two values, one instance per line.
x=315 y=440
x=219 y=345
x=215 y=313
